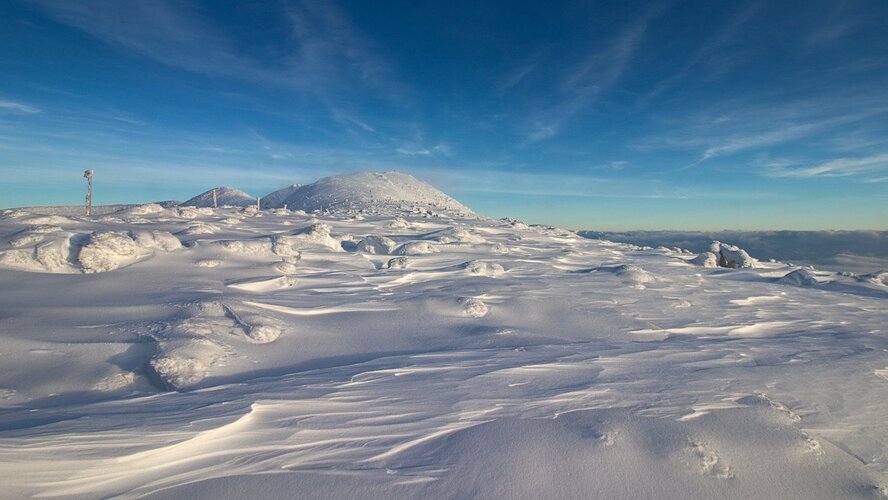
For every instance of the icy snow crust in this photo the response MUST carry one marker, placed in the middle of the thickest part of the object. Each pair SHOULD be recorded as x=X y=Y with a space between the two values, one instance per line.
x=403 y=354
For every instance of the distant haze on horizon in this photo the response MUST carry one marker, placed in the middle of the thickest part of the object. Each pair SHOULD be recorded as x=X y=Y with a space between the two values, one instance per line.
x=687 y=115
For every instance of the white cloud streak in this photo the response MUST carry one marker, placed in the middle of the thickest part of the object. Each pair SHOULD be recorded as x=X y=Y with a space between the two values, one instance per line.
x=587 y=80
x=17 y=107
x=838 y=167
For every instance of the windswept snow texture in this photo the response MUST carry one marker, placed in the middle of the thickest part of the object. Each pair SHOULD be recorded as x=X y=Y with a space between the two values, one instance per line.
x=225 y=196
x=402 y=354
x=370 y=191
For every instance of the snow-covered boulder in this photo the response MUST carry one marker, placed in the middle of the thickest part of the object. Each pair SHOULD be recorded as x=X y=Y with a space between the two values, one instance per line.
x=376 y=245
x=106 y=251
x=396 y=263
x=483 y=268
x=706 y=259
x=731 y=256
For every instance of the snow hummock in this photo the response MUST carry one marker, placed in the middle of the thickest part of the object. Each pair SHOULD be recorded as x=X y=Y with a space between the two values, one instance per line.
x=799 y=277
x=369 y=191
x=225 y=196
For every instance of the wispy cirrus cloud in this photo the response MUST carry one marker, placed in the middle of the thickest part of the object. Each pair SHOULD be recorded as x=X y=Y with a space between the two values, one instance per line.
x=325 y=52
x=586 y=80
x=760 y=123
x=723 y=38
x=17 y=107
x=837 y=167
x=436 y=149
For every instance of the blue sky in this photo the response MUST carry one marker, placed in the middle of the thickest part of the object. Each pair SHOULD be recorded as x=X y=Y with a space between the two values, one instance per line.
x=599 y=115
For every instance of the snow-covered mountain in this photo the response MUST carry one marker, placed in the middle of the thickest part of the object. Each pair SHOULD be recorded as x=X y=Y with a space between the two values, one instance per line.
x=205 y=353
x=275 y=199
x=368 y=191
x=225 y=196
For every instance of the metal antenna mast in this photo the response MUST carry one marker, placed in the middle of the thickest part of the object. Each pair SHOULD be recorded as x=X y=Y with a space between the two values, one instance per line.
x=89 y=191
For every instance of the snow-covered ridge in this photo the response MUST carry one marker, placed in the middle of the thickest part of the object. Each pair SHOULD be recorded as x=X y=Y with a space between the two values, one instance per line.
x=359 y=191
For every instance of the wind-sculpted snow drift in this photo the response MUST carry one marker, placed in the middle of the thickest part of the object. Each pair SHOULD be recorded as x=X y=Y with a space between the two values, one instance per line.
x=390 y=348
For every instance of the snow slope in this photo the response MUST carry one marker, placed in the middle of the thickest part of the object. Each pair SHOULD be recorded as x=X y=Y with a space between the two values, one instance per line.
x=401 y=354
x=225 y=196
x=275 y=199
x=369 y=191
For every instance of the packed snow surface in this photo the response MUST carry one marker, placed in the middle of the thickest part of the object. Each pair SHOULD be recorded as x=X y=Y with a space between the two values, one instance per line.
x=202 y=353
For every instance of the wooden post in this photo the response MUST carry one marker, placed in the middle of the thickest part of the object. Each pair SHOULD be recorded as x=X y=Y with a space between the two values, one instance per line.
x=89 y=190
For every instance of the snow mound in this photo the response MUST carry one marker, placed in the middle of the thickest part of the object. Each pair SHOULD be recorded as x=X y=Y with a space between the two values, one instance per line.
x=799 y=277
x=731 y=256
x=247 y=247
x=275 y=199
x=32 y=235
x=455 y=235
x=629 y=272
x=49 y=220
x=368 y=190
x=48 y=250
x=147 y=209
x=474 y=307
x=318 y=235
x=194 y=212
x=156 y=240
x=399 y=223
x=184 y=363
x=416 y=248
x=483 y=268
x=50 y=256
x=198 y=229
x=224 y=196
x=285 y=246
x=110 y=250
x=376 y=245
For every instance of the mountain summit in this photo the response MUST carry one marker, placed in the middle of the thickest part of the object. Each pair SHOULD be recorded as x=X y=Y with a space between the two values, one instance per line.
x=369 y=190
x=224 y=196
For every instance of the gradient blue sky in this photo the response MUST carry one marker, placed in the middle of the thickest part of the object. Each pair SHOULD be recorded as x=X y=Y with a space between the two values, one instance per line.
x=600 y=115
